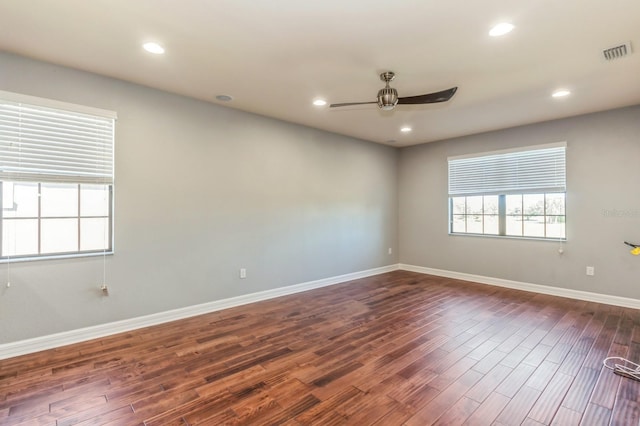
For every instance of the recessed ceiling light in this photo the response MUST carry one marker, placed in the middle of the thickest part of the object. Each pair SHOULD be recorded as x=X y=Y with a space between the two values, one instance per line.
x=405 y=129
x=501 y=29
x=319 y=102
x=561 y=93
x=224 y=98
x=154 y=48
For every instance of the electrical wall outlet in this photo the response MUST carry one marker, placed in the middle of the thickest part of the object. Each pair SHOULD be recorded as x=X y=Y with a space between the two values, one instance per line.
x=591 y=271
x=390 y=250
x=243 y=273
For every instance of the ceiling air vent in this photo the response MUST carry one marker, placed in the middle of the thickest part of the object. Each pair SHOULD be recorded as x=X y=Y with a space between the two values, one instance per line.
x=616 y=52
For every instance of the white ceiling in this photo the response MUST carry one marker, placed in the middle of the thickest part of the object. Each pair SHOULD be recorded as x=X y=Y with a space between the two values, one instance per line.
x=274 y=57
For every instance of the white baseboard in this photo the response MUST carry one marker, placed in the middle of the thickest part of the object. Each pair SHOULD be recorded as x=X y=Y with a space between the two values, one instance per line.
x=536 y=288
x=22 y=347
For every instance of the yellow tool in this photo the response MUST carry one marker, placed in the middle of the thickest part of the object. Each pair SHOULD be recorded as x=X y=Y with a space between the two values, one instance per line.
x=635 y=250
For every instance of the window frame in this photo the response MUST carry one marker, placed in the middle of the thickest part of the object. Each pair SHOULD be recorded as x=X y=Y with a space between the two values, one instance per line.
x=527 y=171
x=43 y=138
x=40 y=217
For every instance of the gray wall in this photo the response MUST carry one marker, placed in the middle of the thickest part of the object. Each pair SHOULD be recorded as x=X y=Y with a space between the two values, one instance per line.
x=603 y=207
x=201 y=191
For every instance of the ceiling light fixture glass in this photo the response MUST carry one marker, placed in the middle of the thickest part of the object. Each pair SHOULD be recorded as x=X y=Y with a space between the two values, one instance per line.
x=319 y=102
x=154 y=48
x=561 y=93
x=405 y=129
x=501 y=29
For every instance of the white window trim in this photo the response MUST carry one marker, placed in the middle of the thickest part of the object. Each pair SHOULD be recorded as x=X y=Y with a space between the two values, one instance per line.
x=52 y=103
x=562 y=144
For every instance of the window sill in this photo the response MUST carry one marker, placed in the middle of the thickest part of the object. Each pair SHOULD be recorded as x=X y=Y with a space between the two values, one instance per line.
x=508 y=237
x=55 y=257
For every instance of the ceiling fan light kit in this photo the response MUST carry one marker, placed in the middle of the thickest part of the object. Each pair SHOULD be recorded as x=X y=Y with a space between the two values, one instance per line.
x=388 y=97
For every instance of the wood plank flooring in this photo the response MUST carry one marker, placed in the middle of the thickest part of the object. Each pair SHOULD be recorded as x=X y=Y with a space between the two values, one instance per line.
x=396 y=349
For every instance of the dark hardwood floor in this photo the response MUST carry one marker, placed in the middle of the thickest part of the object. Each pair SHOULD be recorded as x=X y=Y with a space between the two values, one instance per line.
x=394 y=349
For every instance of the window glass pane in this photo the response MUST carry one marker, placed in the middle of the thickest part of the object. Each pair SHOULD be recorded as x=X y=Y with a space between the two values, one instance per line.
x=514 y=204
x=555 y=227
x=458 y=205
x=59 y=235
x=94 y=234
x=94 y=200
x=19 y=199
x=474 y=205
x=8 y=197
x=474 y=224
x=534 y=226
x=458 y=223
x=490 y=204
x=527 y=215
x=514 y=225
x=59 y=199
x=491 y=224
x=555 y=204
x=19 y=237
x=533 y=204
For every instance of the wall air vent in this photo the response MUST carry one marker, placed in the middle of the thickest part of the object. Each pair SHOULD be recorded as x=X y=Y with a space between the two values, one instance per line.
x=616 y=52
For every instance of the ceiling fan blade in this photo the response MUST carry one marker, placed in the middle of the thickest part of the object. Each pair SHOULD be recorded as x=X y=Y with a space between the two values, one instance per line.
x=430 y=98
x=351 y=103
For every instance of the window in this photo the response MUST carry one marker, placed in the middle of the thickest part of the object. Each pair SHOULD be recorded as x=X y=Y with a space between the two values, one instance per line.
x=56 y=178
x=514 y=193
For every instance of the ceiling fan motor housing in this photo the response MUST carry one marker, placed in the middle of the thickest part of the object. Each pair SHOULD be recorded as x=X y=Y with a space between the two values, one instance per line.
x=387 y=98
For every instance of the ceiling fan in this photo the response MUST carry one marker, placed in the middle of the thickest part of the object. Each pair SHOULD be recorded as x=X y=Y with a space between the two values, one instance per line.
x=388 y=96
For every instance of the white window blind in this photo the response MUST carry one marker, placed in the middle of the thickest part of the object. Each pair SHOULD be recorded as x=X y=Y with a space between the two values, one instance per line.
x=527 y=170
x=48 y=141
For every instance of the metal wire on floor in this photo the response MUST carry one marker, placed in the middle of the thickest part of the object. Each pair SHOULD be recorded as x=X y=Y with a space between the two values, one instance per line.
x=623 y=367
